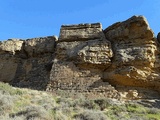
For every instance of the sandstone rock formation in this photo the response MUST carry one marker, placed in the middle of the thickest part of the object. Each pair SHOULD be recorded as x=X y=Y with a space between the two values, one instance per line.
x=12 y=46
x=81 y=54
x=86 y=58
x=135 y=51
x=27 y=63
x=81 y=32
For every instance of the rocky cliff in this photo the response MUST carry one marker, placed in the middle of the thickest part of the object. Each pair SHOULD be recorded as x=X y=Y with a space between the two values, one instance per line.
x=27 y=63
x=135 y=54
x=85 y=58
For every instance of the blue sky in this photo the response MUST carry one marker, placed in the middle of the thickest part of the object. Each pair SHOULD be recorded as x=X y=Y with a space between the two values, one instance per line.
x=38 y=18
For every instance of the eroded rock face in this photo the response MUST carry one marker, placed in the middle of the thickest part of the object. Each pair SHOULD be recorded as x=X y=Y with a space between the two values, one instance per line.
x=12 y=45
x=82 y=53
x=93 y=53
x=88 y=46
x=40 y=45
x=8 y=67
x=80 y=32
x=86 y=58
x=96 y=52
x=134 y=28
x=27 y=63
x=135 y=50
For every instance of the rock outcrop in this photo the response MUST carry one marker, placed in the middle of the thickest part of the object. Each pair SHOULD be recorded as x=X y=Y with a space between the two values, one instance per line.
x=86 y=58
x=135 y=51
x=82 y=53
x=81 y=32
x=27 y=63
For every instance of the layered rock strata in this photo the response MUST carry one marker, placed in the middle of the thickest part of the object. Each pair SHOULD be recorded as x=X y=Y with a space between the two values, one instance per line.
x=135 y=51
x=27 y=63
x=82 y=52
x=86 y=58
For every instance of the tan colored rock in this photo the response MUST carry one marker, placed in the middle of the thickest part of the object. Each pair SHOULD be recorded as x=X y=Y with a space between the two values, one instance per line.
x=93 y=53
x=80 y=60
x=86 y=59
x=11 y=45
x=36 y=46
x=132 y=94
x=96 y=52
x=27 y=63
x=134 y=53
x=134 y=28
x=81 y=32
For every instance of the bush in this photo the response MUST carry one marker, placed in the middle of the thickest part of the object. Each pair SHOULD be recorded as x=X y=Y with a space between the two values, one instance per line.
x=87 y=104
x=135 y=108
x=91 y=115
x=47 y=103
x=102 y=103
x=7 y=89
x=7 y=117
x=58 y=115
x=6 y=103
x=32 y=112
x=153 y=111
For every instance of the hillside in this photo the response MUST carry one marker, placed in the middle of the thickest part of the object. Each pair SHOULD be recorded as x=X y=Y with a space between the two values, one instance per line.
x=26 y=104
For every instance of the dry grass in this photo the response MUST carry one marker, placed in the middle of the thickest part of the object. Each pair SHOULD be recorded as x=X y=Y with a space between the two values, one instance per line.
x=25 y=104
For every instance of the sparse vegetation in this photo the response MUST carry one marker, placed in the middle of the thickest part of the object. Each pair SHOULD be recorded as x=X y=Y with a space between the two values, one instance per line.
x=25 y=104
x=91 y=115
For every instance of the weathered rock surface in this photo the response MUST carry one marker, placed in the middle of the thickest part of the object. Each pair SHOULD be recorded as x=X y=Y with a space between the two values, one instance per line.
x=12 y=45
x=80 y=32
x=27 y=63
x=135 y=51
x=86 y=58
x=8 y=67
x=82 y=53
x=93 y=53
x=42 y=45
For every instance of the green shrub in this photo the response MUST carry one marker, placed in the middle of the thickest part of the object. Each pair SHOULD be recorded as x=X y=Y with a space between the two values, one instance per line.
x=7 y=117
x=69 y=94
x=7 y=89
x=58 y=115
x=91 y=115
x=87 y=104
x=139 y=117
x=153 y=111
x=153 y=116
x=32 y=112
x=6 y=103
x=135 y=108
x=102 y=103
